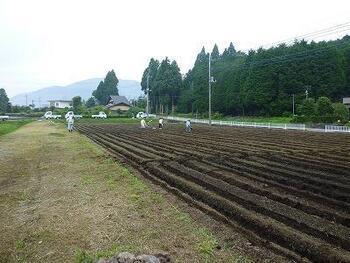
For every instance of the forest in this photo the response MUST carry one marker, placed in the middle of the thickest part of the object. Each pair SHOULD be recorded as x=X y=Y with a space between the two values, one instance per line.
x=258 y=82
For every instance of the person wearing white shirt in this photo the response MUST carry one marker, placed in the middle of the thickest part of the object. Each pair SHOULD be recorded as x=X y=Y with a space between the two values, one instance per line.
x=188 y=126
x=160 y=123
x=70 y=123
x=143 y=124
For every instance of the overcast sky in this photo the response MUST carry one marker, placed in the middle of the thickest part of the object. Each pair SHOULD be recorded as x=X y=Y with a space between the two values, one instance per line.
x=57 y=42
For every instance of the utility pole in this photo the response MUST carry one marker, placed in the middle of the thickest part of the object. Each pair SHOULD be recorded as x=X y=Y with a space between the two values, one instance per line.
x=307 y=88
x=26 y=99
x=209 y=91
x=147 y=107
x=293 y=105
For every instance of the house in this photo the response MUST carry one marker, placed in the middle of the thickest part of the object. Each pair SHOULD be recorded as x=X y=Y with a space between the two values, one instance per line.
x=60 y=104
x=118 y=103
x=346 y=102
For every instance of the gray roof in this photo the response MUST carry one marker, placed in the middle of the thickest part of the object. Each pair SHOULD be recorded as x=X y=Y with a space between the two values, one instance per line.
x=115 y=100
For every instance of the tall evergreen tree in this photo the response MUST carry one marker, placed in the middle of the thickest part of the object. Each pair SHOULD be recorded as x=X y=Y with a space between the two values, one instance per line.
x=167 y=85
x=4 y=101
x=202 y=56
x=90 y=102
x=106 y=88
x=151 y=71
x=261 y=82
x=230 y=51
x=215 y=54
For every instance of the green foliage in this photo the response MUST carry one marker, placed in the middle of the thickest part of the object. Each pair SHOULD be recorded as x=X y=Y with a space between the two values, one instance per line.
x=321 y=111
x=165 y=82
x=106 y=88
x=141 y=103
x=76 y=103
x=341 y=113
x=133 y=111
x=324 y=110
x=308 y=108
x=150 y=72
x=83 y=257
x=324 y=107
x=10 y=126
x=215 y=54
x=258 y=83
x=97 y=109
x=207 y=245
x=90 y=102
x=229 y=52
x=20 y=109
x=61 y=111
x=4 y=101
x=217 y=116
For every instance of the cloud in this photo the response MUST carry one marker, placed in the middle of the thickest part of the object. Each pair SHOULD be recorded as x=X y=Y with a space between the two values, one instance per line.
x=57 y=42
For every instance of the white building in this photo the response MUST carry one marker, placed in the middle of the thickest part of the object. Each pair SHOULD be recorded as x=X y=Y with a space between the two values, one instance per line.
x=60 y=104
x=346 y=102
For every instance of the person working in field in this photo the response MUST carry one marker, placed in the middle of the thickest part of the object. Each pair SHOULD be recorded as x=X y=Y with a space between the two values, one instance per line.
x=160 y=123
x=70 y=122
x=188 y=126
x=143 y=124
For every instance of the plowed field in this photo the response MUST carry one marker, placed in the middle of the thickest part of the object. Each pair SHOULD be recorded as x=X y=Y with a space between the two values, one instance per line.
x=287 y=189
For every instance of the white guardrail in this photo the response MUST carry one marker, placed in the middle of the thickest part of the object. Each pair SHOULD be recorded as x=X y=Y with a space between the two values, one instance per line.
x=332 y=128
x=289 y=126
x=285 y=126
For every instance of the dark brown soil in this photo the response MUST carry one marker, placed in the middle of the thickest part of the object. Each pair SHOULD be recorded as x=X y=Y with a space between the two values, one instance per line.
x=290 y=190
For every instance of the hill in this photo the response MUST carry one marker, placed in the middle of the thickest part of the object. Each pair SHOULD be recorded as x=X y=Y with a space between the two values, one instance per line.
x=129 y=88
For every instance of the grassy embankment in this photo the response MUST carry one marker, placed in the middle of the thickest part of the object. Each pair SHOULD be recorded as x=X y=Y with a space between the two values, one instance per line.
x=11 y=125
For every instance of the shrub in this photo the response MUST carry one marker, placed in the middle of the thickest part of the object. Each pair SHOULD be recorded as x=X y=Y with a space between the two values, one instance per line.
x=324 y=107
x=217 y=116
x=341 y=113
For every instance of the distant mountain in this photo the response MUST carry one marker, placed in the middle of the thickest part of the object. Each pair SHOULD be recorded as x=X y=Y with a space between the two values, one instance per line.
x=128 y=88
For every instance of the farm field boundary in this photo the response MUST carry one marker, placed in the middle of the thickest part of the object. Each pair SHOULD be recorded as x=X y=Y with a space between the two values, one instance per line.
x=291 y=192
x=284 y=126
x=63 y=199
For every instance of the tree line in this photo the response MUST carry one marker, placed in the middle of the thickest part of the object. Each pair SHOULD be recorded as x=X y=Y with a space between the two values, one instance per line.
x=99 y=98
x=259 y=82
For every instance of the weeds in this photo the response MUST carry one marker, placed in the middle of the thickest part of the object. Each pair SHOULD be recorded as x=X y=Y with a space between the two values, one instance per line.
x=207 y=245
x=20 y=244
x=82 y=256
x=87 y=179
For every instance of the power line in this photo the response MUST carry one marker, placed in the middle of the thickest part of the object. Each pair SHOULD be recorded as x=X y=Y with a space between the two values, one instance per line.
x=289 y=57
x=308 y=35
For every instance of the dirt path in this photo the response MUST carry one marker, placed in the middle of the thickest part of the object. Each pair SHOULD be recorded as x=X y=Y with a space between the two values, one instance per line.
x=63 y=200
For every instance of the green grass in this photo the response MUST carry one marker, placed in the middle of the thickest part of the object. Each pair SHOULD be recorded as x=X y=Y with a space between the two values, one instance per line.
x=207 y=245
x=241 y=118
x=82 y=256
x=261 y=119
x=10 y=126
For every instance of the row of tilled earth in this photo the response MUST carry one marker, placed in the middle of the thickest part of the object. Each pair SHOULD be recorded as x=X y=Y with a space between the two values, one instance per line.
x=289 y=190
